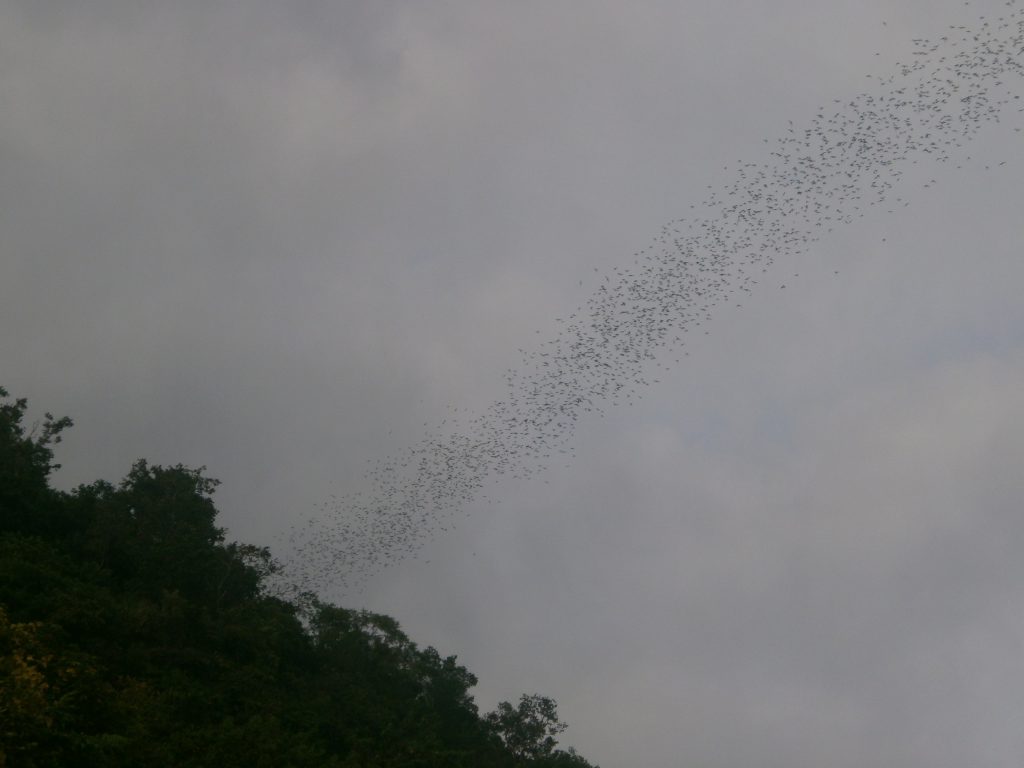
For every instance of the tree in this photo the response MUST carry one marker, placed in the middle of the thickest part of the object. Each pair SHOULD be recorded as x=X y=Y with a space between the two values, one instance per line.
x=528 y=730
x=26 y=460
x=156 y=531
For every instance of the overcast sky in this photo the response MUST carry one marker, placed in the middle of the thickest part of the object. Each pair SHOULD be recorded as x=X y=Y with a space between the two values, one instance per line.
x=278 y=239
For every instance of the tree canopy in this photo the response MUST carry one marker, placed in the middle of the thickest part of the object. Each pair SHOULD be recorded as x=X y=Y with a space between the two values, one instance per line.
x=132 y=633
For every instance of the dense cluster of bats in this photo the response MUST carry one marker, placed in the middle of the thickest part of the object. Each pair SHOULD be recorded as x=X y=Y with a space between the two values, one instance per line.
x=820 y=175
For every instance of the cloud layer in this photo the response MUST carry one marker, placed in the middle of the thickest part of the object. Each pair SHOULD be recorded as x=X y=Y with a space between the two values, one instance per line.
x=283 y=242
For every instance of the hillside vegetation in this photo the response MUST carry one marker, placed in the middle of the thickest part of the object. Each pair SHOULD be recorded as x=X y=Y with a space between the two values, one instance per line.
x=133 y=634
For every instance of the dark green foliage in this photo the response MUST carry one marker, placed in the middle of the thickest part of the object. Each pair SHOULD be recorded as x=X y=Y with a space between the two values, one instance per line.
x=528 y=731
x=26 y=460
x=132 y=634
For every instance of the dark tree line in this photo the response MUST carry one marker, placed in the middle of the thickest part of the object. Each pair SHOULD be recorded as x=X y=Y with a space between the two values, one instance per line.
x=132 y=633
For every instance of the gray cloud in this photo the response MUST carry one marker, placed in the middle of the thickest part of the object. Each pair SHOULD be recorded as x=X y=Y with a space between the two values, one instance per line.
x=277 y=240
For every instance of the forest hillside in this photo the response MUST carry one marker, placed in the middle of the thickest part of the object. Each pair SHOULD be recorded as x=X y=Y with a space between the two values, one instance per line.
x=133 y=634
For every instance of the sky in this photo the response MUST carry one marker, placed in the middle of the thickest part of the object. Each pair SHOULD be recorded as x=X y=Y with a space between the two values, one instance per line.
x=288 y=241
